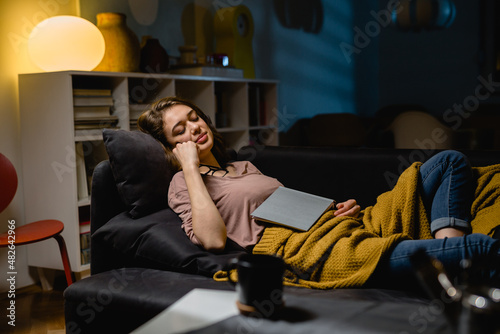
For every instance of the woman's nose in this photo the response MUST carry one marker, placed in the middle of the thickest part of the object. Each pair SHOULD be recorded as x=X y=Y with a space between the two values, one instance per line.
x=195 y=128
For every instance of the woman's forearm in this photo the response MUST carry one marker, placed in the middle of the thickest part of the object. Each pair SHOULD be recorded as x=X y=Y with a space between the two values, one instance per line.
x=208 y=225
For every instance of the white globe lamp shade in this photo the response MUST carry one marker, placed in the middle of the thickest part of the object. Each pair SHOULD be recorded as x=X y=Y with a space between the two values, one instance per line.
x=62 y=43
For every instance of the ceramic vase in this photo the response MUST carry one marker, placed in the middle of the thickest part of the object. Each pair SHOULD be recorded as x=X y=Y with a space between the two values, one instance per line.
x=154 y=58
x=122 y=45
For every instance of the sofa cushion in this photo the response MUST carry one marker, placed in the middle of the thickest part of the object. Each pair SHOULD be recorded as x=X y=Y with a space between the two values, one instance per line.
x=158 y=241
x=140 y=169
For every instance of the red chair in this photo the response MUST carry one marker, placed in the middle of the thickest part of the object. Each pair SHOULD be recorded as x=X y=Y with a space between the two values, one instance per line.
x=33 y=232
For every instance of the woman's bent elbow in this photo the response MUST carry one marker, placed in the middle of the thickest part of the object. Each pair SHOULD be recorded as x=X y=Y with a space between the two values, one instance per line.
x=215 y=246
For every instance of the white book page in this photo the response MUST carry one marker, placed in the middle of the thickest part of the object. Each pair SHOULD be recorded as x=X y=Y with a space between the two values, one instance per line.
x=197 y=309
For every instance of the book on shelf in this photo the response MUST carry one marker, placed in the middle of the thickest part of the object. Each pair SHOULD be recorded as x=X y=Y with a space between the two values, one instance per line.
x=103 y=122
x=92 y=103
x=82 y=112
x=80 y=101
x=88 y=116
x=136 y=109
x=293 y=208
x=98 y=127
x=91 y=92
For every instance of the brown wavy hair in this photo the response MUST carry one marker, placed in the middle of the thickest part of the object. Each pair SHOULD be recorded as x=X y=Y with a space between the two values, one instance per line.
x=151 y=122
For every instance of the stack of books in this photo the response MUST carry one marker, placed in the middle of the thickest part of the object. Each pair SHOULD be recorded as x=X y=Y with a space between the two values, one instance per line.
x=92 y=109
x=136 y=109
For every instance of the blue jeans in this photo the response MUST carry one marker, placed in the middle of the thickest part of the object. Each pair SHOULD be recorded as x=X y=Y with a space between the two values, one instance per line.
x=447 y=192
x=397 y=270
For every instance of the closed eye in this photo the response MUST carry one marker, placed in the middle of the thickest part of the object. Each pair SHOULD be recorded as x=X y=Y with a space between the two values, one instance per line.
x=179 y=128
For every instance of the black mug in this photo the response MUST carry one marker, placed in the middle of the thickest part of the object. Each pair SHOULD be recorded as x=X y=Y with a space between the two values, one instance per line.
x=260 y=284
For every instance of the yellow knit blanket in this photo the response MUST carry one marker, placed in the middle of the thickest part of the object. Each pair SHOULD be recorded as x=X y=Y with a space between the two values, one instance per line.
x=341 y=252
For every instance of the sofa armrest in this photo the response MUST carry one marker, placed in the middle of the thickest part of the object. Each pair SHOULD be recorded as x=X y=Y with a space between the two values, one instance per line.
x=105 y=200
x=105 y=203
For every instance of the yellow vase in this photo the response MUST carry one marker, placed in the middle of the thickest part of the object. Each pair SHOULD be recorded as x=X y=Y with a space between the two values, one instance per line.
x=122 y=45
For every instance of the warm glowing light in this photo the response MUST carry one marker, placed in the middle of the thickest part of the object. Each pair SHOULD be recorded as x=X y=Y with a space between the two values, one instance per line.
x=64 y=42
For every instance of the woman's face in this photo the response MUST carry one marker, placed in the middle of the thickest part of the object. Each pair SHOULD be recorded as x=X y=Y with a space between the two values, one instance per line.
x=182 y=124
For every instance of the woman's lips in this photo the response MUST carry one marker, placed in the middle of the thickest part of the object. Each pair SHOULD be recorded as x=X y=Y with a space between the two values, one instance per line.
x=201 y=139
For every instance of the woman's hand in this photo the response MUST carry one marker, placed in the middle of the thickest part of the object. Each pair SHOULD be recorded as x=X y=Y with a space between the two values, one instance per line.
x=188 y=154
x=349 y=208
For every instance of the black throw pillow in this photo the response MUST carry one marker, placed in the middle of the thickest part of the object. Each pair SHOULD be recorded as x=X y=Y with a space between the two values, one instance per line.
x=140 y=169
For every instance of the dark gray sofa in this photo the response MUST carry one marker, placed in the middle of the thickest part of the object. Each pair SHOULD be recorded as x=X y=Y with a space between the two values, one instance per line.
x=142 y=262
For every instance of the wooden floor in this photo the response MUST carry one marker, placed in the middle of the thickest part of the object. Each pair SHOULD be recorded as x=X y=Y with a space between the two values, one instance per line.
x=37 y=311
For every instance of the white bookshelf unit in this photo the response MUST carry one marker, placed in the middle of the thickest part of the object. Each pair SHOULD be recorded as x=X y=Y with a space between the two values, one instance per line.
x=243 y=110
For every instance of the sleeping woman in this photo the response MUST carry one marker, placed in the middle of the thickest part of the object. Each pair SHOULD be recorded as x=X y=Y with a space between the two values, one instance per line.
x=433 y=207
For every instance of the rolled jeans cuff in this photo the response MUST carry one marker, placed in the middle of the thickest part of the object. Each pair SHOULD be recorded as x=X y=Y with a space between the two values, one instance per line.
x=450 y=222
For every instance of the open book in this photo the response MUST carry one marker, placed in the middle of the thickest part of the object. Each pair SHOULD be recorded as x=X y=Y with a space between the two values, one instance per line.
x=293 y=208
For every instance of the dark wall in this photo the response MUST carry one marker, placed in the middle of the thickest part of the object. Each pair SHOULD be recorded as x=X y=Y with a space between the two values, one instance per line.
x=437 y=69
x=338 y=56
x=295 y=42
